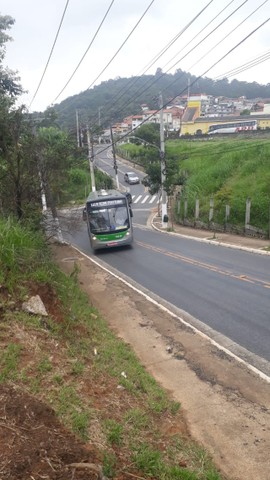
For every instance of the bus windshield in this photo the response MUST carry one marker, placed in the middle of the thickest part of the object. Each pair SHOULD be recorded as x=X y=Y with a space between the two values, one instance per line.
x=102 y=220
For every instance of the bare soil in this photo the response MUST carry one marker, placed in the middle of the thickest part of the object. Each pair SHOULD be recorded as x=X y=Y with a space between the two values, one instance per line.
x=34 y=445
x=225 y=406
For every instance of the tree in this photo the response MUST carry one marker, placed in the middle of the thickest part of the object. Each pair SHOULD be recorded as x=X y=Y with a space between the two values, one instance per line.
x=152 y=180
x=150 y=132
x=246 y=111
x=19 y=184
x=17 y=170
x=53 y=153
x=9 y=81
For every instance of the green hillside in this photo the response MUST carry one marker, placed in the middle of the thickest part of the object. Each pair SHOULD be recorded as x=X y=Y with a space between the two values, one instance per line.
x=114 y=99
x=229 y=169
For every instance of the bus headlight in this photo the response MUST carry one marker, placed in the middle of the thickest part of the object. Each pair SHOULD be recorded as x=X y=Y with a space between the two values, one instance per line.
x=127 y=233
x=94 y=238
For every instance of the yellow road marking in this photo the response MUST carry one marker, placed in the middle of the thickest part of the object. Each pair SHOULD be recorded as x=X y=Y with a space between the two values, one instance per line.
x=207 y=266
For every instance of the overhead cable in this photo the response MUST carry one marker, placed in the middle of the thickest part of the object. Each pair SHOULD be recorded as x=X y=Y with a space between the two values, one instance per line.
x=179 y=34
x=228 y=34
x=220 y=60
x=129 y=35
x=204 y=28
x=86 y=51
x=194 y=81
x=138 y=93
x=133 y=81
x=246 y=66
x=51 y=52
x=208 y=35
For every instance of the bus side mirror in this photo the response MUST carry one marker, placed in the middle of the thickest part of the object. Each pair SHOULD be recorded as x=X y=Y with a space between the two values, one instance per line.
x=131 y=213
x=84 y=215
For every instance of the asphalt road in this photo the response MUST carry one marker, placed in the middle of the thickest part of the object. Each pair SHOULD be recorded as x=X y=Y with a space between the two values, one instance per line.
x=227 y=290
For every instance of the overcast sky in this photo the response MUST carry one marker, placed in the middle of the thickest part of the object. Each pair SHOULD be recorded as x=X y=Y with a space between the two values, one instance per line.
x=37 y=23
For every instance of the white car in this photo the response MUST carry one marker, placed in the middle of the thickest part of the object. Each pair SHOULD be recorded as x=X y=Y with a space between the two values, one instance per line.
x=131 y=178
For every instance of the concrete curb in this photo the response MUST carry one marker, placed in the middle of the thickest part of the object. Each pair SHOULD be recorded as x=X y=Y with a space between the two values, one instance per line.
x=208 y=241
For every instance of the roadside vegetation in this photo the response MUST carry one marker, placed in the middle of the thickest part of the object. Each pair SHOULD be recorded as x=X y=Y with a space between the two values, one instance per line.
x=91 y=379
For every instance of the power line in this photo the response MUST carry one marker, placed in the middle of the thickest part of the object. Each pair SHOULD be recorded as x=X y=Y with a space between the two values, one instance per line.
x=207 y=25
x=224 y=56
x=228 y=34
x=51 y=52
x=196 y=79
x=208 y=35
x=245 y=66
x=138 y=93
x=164 y=50
x=129 y=35
x=86 y=51
x=159 y=55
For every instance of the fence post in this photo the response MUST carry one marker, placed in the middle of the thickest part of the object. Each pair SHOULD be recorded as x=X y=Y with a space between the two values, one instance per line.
x=178 y=205
x=211 y=210
x=197 y=209
x=247 y=219
x=227 y=214
x=185 y=208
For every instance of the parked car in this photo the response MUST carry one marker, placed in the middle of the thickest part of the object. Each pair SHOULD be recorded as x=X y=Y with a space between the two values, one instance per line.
x=131 y=178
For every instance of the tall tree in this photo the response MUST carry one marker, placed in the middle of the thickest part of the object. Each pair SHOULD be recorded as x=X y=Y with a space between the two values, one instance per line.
x=18 y=172
x=9 y=80
x=54 y=149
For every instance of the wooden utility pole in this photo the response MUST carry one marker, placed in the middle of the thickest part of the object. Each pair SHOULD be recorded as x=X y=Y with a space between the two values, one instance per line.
x=164 y=216
x=78 y=130
x=114 y=161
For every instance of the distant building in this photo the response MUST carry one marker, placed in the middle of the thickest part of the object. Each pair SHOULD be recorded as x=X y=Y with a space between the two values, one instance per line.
x=205 y=110
x=201 y=125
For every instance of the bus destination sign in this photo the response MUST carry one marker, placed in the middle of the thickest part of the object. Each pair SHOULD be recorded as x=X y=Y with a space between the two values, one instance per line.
x=107 y=203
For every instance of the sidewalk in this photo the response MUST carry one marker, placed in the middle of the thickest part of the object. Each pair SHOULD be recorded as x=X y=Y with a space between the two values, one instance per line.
x=258 y=245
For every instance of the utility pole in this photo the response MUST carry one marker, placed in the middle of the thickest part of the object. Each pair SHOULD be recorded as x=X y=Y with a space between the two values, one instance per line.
x=114 y=161
x=77 y=128
x=164 y=216
x=91 y=160
x=99 y=124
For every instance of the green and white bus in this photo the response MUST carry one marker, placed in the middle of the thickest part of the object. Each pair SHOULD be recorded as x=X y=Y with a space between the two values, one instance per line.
x=109 y=219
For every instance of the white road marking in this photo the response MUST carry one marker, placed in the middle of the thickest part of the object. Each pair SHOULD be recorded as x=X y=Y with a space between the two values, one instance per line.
x=145 y=198
x=137 y=199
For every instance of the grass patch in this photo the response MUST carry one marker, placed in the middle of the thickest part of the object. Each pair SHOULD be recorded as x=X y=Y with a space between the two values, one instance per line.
x=114 y=432
x=228 y=170
x=9 y=362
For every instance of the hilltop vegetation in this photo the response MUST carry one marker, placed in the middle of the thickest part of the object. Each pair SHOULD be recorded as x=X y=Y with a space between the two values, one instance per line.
x=113 y=100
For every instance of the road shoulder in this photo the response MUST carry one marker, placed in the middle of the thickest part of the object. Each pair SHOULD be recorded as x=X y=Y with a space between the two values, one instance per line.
x=226 y=406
